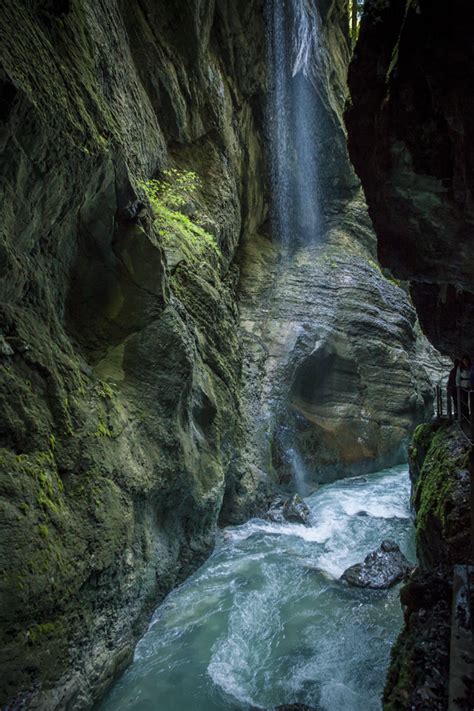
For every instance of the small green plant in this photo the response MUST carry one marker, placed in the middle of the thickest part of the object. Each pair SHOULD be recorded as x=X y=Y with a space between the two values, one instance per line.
x=167 y=198
x=102 y=430
x=36 y=633
x=43 y=530
x=105 y=390
x=176 y=188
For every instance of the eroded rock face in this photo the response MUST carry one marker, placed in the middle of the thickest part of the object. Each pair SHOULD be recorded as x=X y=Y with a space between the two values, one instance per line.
x=381 y=568
x=122 y=431
x=119 y=393
x=419 y=671
x=411 y=128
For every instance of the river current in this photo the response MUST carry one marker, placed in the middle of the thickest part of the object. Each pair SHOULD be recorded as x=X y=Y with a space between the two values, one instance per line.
x=265 y=620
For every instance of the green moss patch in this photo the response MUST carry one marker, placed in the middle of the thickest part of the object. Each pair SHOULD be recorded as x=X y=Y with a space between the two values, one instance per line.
x=169 y=198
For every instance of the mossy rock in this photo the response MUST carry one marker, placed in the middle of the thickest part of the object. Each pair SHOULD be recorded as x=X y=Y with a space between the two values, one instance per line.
x=439 y=458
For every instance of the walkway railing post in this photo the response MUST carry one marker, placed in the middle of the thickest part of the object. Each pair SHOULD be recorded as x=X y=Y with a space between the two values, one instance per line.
x=449 y=405
x=471 y=413
x=471 y=469
x=471 y=477
x=458 y=389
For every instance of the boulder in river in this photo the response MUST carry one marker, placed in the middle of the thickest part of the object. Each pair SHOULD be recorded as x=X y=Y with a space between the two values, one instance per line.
x=381 y=569
x=293 y=510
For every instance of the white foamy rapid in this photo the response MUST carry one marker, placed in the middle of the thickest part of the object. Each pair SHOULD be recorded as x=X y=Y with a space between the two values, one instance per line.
x=265 y=620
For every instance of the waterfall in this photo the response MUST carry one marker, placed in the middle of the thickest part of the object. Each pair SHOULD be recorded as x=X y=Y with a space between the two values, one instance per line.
x=292 y=111
x=293 y=131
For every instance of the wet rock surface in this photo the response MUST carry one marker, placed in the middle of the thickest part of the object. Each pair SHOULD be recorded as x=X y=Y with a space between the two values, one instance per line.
x=419 y=670
x=122 y=436
x=293 y=510
x=335 y=377
x=440 y=478
x=381 y=569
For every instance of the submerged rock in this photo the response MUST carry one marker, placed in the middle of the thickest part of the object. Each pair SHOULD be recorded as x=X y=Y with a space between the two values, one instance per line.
x=293 y=510
x=381 y=568
x=288 y=707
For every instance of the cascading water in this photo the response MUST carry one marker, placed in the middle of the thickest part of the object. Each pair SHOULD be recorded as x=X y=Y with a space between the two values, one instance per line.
x=265 y=621
x=292 y=119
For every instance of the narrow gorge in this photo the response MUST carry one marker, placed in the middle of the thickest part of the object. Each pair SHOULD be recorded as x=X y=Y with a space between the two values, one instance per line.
x=220 y=223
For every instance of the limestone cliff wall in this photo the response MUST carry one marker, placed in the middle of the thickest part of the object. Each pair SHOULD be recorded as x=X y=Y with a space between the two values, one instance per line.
x=410 y=122
x=410 y=125
x=119 y=363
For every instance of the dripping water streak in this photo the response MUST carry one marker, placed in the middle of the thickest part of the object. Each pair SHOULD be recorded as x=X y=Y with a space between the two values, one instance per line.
x=293 y=125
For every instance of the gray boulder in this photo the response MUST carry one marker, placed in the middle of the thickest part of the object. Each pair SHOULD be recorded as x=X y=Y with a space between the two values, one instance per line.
x=293 y=510
x=381 y=569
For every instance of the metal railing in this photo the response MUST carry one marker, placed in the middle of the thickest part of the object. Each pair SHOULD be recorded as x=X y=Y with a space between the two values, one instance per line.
x=457 y=405
x=463 y=413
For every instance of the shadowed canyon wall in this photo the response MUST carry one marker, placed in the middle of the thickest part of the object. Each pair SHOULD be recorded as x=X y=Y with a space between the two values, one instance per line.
x=411 y=131
x=134 y=412
x=119 y=393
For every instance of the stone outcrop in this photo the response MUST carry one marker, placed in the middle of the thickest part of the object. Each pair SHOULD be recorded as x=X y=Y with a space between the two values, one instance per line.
x=381 y=569
x=341 y=382
x=419 y=668
x=119 y=362
x=410 y=123
x=293 y=510
x=439 y=461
